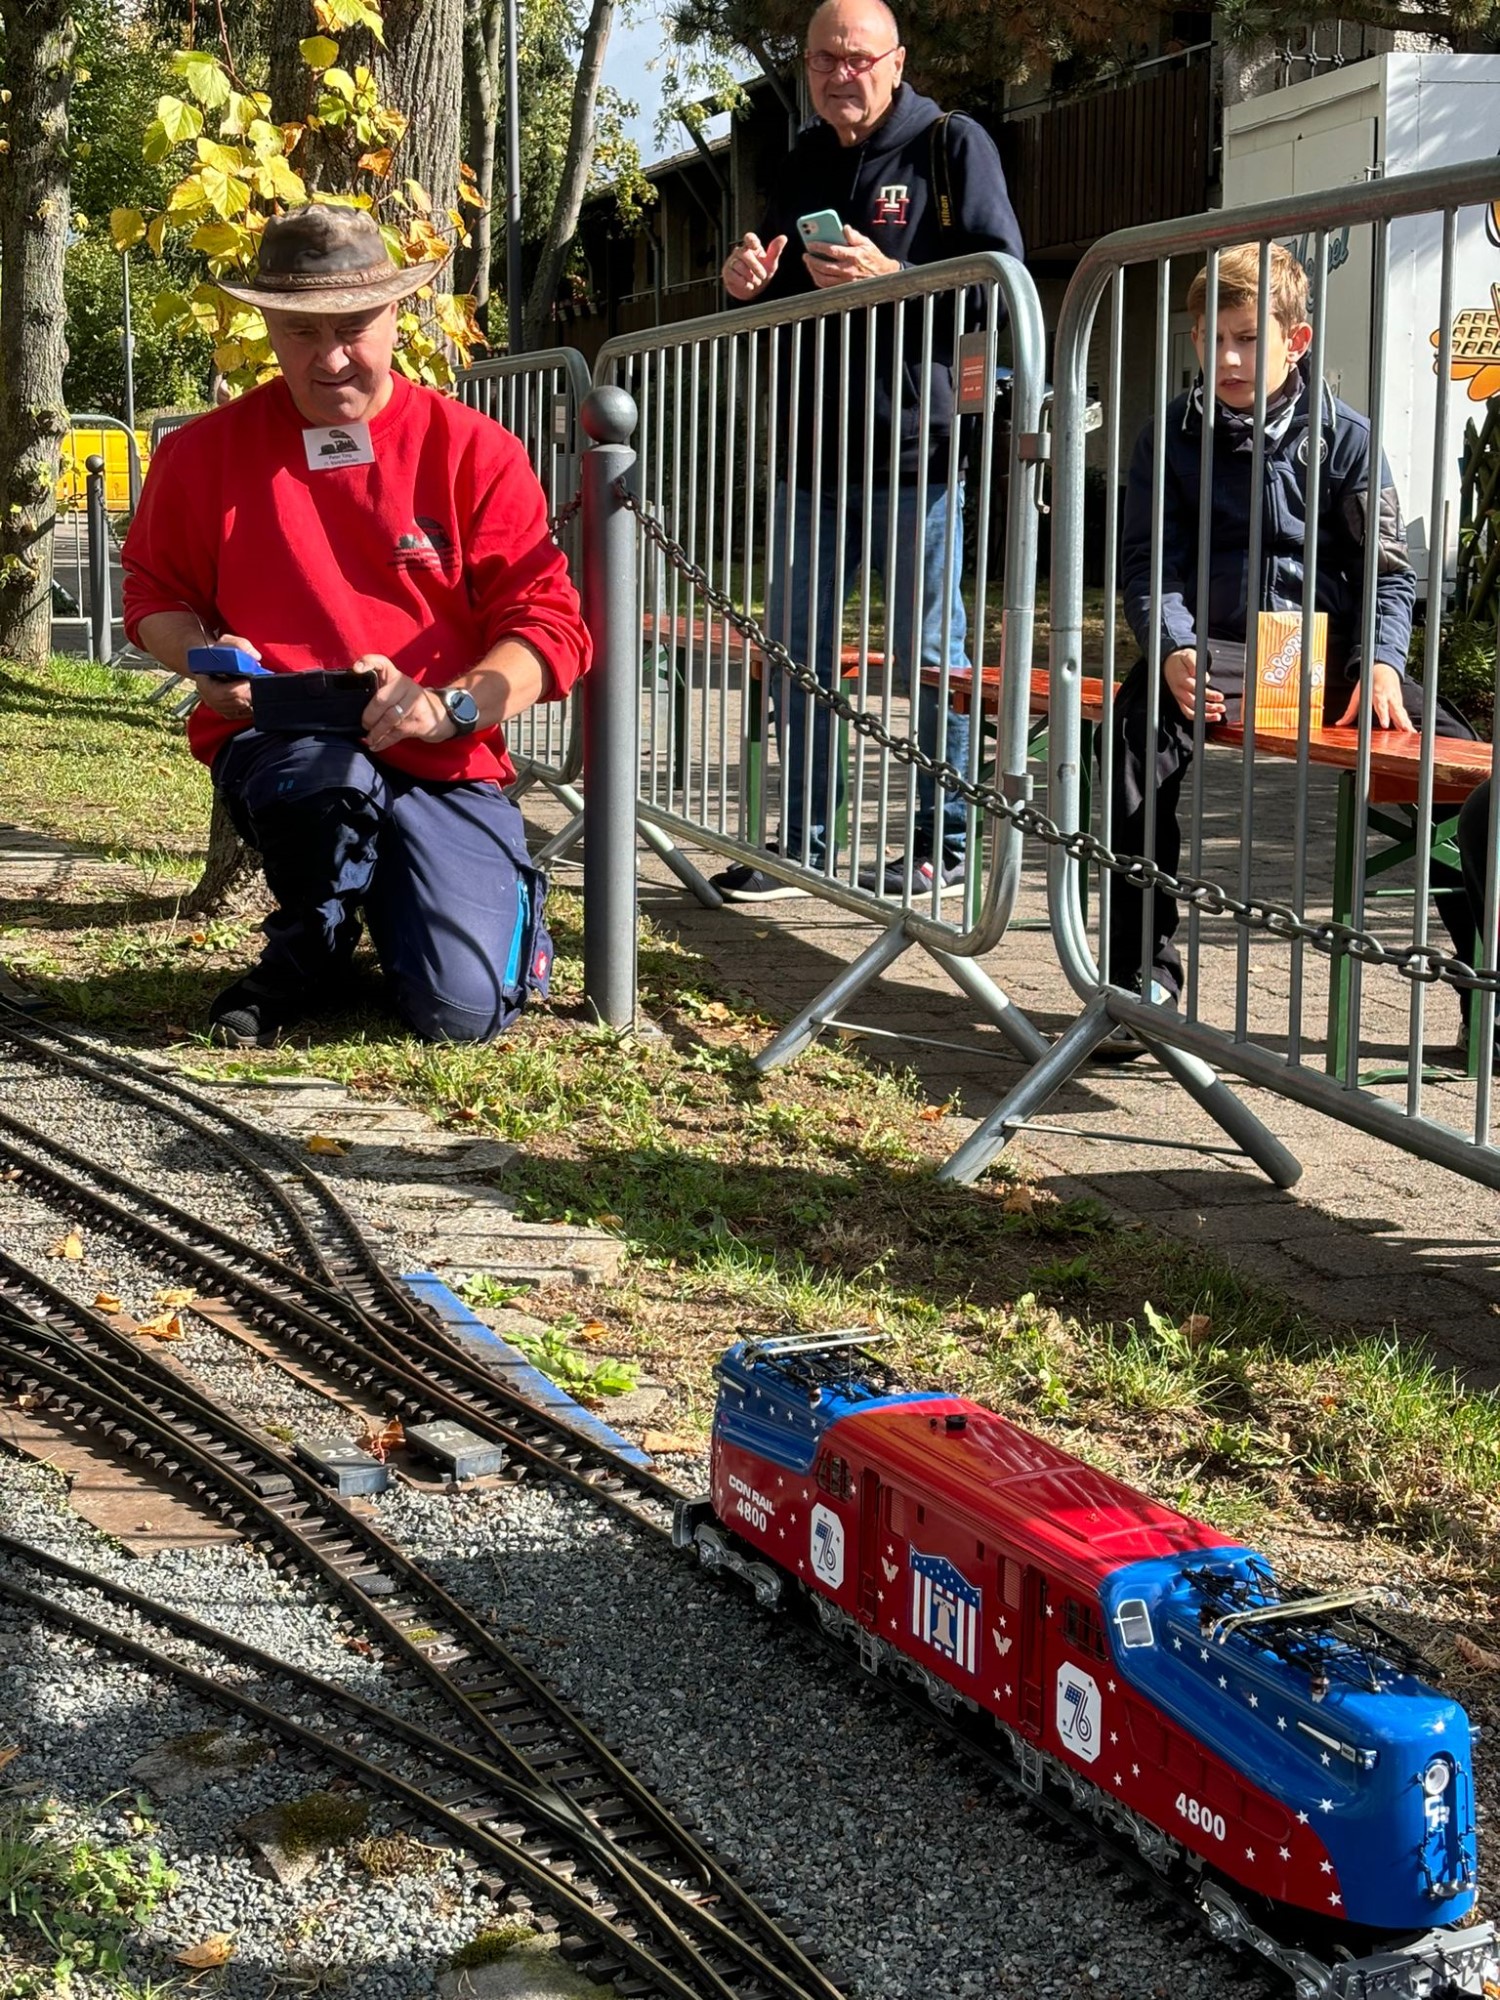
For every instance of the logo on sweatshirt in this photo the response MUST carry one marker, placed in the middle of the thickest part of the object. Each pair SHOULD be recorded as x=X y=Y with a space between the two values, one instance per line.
x=426 y=545
x=892 y=205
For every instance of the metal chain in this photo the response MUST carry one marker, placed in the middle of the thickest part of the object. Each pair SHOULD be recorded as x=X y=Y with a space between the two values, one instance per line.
x=1426 y=963
x=557 y=523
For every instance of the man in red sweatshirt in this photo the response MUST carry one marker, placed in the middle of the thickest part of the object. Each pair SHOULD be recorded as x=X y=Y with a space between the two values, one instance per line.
x=342 y=517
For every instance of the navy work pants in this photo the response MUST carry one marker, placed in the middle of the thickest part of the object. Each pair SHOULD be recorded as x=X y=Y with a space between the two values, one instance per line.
x=440 y=873
x=1174 y=758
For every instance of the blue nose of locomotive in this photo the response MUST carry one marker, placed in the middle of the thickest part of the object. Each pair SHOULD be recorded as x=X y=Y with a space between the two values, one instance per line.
x=1326 y=1716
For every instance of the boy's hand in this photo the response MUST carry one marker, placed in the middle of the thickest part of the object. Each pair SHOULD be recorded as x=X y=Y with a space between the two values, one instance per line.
x=1180 y=672
x=1385 y=702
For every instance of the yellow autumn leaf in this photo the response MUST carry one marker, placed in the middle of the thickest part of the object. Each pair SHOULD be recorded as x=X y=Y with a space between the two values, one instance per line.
x=9 y=1752
x=377 y=162
x=107 y=1302
x=126 y=227
x=176 y=1295
x=665 y=1443
x=318 y=52
x=216 y=1949
x=69 y=1246
x=166 y=1326
x=155 y=234
x=321 y=1143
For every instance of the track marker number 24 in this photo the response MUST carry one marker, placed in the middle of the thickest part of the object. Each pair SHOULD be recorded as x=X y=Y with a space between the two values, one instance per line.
x=1201 y=1817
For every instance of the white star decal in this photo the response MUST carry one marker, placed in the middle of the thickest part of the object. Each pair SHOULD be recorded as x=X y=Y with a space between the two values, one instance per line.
x=1325 y=1805
x=1335 y=1898
x=1281 y=1722
x=1325 y=1867
x=890 y=1548
x=1439 y=1727
x=1285 y=1853
x=1223 y=1683
x=1049 y=1610
x=1119 y=1780
x=1255 y=1701
x=793 y=1519
x=1111 y=1686
x=1135 y=1770
x=1113 y=1737
x=880 y=1597
x=1203 y=1652
x=1327 y=1760
x=1249 y=1853
x=1176 y=1645
x=779 y=1480
x=1302 y=1819
x=997 y=1694
x=781 y=1534
x=801 y=1564
x=1007 y=1687
x=1000 y=1620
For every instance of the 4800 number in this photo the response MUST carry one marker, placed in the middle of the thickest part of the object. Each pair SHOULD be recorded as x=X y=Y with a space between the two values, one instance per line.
x=1201 y=1816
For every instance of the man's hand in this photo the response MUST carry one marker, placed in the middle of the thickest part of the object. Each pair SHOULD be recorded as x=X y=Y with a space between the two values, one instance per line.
x=1388 y=708
x=845 y=263
x=751 y=266
x=1180 y=672
x=231 y=699
x=400 y=710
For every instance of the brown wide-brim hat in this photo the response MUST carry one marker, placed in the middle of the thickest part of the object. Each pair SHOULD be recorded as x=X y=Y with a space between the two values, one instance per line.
x=328 y=259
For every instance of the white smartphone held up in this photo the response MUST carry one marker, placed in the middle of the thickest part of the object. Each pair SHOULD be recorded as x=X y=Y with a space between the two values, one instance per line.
x=822 y=227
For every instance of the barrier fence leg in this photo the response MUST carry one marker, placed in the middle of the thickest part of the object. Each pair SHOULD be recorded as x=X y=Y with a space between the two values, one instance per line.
x=1001 y=1009
x=1067 y=1054
x=1281 y=1168
x=796 y=1035
x=101 y=613
x=611 y=720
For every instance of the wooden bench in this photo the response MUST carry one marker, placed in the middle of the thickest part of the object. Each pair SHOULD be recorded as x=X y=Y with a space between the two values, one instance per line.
x=1459 y=767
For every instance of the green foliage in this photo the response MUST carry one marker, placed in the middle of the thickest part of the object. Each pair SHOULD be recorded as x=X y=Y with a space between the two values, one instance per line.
x=489 y=1947
x=551 y=37
x=1466 y=667
x=80 y=1902
x=172 y=367
x=586 y=1374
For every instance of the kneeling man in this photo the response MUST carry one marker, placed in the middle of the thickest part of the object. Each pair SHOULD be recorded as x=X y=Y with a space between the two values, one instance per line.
x=337 y=517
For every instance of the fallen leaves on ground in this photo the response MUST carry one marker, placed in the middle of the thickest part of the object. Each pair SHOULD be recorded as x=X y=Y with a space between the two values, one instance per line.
x=1196 y=1328
x=216 y=1949
x=166 y=1326
x=1019 y=1201
x=321 y=1143
x=9 y=1752
x=69 y=1246
x=176 y=1295
x=107 y=1302
x=378 y=1439
x=1475 y=1655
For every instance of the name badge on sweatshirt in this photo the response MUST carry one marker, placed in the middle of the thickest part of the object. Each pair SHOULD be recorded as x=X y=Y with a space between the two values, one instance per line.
x=339 y=444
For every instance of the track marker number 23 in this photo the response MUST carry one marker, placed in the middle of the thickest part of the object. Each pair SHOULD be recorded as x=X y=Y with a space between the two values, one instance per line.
x=1201 y=1817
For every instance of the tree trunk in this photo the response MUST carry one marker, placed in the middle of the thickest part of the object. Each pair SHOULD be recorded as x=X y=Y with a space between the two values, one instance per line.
x=563 y=224
x=34 y=215
x=231 y=874
x=420 y=71
x=482 y=24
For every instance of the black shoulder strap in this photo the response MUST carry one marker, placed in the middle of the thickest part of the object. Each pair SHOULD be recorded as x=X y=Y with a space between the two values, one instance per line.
x=942 y=173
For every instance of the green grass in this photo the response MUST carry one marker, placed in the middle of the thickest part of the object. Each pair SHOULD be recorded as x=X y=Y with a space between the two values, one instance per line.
x=70 y=1906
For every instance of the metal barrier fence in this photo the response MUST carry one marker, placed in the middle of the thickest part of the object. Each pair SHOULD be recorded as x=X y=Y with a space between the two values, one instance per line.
x=1307 y=975
x=538 y=397
x=785 y=451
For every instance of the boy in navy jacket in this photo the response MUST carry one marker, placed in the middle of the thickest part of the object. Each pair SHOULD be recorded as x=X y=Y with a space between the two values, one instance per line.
x=1224 y=600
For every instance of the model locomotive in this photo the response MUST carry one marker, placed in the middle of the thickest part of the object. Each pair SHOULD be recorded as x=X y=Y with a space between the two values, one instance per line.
x=1279 y=1751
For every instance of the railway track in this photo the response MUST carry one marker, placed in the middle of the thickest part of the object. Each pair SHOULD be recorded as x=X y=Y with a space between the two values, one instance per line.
x=581 y=1820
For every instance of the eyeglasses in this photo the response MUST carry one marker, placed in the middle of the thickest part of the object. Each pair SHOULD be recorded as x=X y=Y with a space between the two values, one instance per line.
x=823 y=64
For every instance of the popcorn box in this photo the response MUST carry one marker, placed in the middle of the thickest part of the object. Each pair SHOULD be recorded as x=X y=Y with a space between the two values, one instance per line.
x=1278 y=668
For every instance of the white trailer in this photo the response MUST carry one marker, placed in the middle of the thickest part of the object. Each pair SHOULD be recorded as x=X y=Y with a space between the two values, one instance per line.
x=1388 y=115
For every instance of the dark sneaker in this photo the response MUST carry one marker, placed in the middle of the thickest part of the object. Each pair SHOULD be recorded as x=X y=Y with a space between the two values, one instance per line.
x=744 y=884
x=1124 y=1045
x=246 y=1016
x=890 y=878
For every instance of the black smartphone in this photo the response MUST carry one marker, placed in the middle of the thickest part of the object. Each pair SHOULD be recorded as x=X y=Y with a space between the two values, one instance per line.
x=315 y=703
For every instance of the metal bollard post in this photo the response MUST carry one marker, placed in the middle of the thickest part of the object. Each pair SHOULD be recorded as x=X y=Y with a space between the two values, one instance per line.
x=611 y=713
x=101 y=611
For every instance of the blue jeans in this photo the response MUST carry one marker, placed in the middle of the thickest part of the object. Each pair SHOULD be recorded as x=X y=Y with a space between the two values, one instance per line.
x=438 y=871
x=805 y=611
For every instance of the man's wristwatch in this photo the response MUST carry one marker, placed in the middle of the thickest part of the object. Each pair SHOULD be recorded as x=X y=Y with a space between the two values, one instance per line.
x=463 y=710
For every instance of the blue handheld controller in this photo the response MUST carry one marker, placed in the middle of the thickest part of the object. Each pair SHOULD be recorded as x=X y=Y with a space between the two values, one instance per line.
x=223 y=663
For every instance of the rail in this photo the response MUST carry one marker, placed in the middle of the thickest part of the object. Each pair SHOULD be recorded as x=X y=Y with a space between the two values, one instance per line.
x=1340 y=980
x=783 y=450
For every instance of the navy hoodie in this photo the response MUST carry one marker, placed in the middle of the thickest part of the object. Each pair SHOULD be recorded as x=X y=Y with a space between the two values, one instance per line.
x=884 y=188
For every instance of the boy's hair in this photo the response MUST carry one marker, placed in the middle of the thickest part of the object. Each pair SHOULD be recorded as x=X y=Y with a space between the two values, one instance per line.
x=1239 y=284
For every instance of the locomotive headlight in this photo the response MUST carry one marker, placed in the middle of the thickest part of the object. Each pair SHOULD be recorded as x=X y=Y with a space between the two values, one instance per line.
x=1435 y=1777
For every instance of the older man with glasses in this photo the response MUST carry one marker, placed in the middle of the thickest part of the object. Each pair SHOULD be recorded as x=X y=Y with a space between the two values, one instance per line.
x=910 y=185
